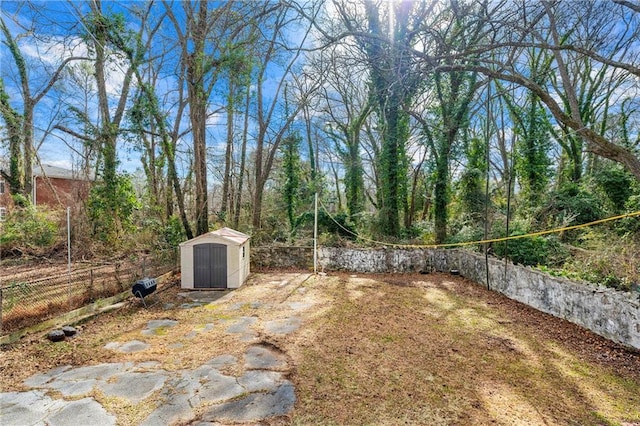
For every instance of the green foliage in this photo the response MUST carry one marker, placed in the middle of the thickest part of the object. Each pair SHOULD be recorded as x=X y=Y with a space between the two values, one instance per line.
x=570 y=205
x=599 y=271
x=532 y=163
x=111 y=212
x=19 y=200
x=466 y=234
x=291 y=171
x=172 y=233
x=532 y=251
x=525 y=251
x=471 y=191
x=337 y=224
x=28 y=228
x=616 y=185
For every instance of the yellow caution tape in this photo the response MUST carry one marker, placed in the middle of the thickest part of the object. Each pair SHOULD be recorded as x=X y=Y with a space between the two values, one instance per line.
x=491 y=240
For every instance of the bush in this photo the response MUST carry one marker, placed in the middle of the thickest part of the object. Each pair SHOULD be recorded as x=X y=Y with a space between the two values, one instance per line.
x=530 y=251
x=572 y=205
x=172 y=233
x=526 y=251
x=616 y=185
x=111 y=206
x=28 y=228
x=630 y=224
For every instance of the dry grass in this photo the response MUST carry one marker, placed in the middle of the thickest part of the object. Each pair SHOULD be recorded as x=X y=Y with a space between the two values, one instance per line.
x=379 y=350
x=447 y=352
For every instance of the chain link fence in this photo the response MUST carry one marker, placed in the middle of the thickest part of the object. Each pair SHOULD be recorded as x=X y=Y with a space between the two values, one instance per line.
x=27 y=300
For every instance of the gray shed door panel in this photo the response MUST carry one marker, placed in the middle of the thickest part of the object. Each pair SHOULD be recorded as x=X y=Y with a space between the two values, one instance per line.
x=210 y=265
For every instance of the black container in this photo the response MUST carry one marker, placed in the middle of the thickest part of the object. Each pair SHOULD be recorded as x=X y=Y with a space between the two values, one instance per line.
x=144 y=287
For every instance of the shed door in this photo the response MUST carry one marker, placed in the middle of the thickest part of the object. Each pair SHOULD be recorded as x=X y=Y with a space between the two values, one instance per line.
x=210 y=266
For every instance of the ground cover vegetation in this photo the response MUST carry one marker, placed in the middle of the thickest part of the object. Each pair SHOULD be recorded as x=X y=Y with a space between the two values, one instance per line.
x=371 y=349
x=418 y=122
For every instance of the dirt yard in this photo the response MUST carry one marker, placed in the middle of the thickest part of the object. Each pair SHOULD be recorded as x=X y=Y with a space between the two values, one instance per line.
x=380 y=350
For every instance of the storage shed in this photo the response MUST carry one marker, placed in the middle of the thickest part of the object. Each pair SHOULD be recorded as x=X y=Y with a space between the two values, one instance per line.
x=217 y=259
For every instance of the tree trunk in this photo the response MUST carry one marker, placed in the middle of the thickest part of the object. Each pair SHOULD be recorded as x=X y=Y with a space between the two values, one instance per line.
x=228 y=152
x=243 y=156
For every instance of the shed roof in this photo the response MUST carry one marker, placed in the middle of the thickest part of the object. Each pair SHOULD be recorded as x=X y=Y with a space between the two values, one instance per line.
x=228 y=234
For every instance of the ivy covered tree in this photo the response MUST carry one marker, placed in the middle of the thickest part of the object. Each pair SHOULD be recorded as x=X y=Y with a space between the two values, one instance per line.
x=291 y=171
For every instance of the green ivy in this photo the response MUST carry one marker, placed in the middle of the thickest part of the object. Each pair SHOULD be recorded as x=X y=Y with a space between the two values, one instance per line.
x=111 y=212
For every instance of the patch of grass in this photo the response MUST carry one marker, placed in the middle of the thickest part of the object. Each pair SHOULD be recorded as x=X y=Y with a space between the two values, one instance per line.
x=442 y=354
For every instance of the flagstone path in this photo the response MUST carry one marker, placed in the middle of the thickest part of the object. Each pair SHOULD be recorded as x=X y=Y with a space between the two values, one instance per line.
x=205 y=395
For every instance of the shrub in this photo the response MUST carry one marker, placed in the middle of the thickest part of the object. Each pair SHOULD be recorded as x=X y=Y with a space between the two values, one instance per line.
x=574 y=203
x=111 y=206
x=616 y=185
x=172 y=233
x=28 y=228
x=531 y=251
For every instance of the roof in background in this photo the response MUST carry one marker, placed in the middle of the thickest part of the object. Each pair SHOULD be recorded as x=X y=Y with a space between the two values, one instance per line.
x=48 y=170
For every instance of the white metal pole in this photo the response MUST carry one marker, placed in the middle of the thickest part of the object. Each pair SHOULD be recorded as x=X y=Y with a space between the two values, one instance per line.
x=315 y=234
x=69 y=249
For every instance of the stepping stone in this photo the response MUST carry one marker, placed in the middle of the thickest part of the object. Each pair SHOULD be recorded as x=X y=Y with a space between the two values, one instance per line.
x=159 y=327
x=70 y=389
x=255 y=407
x=38 y=380
x=82 y=412
x=242 y=325
x=262 y=358
x=217 y=387
x=93 y=372
x=176 y=407
x=222 y=361
x=282 y=326
x=261 y=380
x=133 y=346
x=26 y=408
x=236 y=306
x=81 y=381
x=112 y=346
x=135 y=387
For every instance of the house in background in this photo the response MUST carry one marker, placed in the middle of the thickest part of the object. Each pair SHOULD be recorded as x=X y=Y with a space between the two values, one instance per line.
x=53 y=186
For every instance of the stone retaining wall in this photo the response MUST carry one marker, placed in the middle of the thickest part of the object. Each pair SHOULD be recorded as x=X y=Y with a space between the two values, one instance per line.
x=605 y=311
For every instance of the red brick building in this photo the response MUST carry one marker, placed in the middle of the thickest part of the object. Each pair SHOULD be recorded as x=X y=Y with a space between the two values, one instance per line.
x=53 y=186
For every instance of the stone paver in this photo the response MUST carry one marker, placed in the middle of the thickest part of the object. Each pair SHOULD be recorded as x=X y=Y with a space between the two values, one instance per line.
x=36 y=408
x=242 y=325
x=82 y=412
x=206 y=395
x=127 y=347
x=256 y=406
x=263 y=358
x=135 y=387
x=159 y=327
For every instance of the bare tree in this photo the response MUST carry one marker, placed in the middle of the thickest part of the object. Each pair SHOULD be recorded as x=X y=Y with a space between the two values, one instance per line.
x=21 y=181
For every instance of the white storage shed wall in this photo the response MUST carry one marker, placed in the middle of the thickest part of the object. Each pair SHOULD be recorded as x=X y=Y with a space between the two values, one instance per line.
x=218 y=259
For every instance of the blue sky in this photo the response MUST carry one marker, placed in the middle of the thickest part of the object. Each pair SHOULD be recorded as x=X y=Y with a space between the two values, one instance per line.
x=58 y=33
